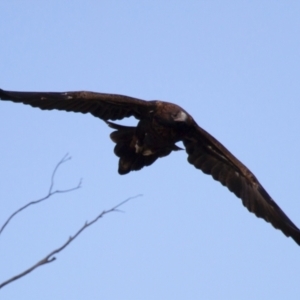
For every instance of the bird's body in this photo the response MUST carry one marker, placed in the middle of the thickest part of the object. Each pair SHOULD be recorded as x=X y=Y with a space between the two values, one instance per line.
x=161 y=125
x=154 y=136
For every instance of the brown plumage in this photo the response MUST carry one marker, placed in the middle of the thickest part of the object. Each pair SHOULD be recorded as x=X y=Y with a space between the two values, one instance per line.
x=161 y=125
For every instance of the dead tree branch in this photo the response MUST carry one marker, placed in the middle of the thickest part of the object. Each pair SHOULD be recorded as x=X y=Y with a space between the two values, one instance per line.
x=50 y=192
x=50 y=257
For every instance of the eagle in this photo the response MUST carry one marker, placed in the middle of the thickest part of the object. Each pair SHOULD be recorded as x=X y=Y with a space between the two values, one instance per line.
x=160 y=126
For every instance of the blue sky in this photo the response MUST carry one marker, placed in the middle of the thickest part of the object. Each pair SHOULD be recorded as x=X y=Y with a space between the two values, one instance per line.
x=234 y=65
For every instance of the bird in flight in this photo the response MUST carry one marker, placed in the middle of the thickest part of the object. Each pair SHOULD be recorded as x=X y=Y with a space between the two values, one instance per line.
x=160 y=126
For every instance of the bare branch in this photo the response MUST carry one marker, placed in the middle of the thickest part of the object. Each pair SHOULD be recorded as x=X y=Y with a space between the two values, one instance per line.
x=63 y=160
x=50 y=257
x=50 y=193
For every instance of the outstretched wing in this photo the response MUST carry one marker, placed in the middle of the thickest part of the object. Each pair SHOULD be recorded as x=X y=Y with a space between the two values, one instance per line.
x=210 y=156
x=103 y=106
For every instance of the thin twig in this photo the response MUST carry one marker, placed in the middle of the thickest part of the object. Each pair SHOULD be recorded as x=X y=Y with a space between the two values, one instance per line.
x=50 y=193
x=50 y=257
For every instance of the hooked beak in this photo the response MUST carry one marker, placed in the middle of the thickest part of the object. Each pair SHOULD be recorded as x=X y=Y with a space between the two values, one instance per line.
x=181 y=117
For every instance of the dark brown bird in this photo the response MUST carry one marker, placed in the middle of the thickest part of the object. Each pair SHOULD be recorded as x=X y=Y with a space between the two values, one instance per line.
x=161 y=125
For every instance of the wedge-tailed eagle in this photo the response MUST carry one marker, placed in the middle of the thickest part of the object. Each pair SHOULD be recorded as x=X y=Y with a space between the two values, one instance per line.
x=161 y=125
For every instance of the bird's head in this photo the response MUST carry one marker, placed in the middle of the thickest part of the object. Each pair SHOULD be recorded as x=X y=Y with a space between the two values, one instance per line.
x=170 y=114
x=179 y=116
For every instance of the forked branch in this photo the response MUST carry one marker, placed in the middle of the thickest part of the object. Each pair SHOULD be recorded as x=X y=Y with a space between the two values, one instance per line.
x=51 y=192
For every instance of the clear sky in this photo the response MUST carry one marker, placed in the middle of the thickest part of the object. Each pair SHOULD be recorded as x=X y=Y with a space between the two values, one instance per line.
x=234 y=65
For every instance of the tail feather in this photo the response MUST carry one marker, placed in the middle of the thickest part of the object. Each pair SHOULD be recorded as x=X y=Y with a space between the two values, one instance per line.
x=123 y=133
x=125 y=140
x=131 y=160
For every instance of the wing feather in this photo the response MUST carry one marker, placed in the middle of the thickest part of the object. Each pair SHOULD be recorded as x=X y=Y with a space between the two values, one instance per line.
x=100 y=105
x=210 y=156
